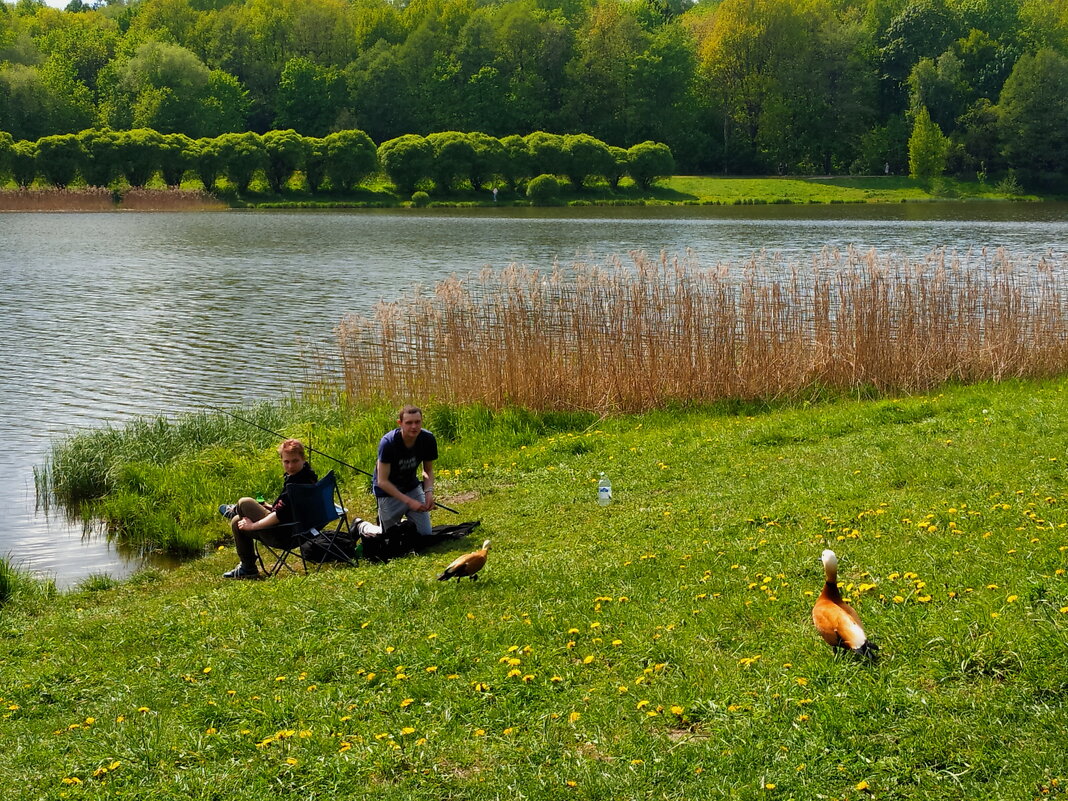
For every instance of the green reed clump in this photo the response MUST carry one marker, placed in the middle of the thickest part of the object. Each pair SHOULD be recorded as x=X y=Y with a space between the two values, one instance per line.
x=20 y=586
x=662 y=331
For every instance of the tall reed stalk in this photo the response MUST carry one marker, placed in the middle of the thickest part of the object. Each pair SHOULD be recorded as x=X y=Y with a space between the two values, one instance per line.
x=635 y=336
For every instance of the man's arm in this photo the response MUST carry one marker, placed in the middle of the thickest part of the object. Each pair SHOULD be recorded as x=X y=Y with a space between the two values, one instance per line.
x=249 y=525
x=388 y=487
x=428 y=484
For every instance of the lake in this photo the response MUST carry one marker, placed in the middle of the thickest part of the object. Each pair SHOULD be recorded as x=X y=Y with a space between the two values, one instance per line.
x=104 y=317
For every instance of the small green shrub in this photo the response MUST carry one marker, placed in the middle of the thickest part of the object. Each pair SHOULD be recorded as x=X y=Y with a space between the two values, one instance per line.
x=420 y=199
x=96 y=582
x=543 y=189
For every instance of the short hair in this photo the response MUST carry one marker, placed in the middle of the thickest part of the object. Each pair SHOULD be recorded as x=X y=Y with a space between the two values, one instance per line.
x=292 y=446
x=409 y=410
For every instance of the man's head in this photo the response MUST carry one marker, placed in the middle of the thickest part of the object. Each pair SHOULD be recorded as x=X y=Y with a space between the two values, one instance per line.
x=292 y=453
x=410 y=422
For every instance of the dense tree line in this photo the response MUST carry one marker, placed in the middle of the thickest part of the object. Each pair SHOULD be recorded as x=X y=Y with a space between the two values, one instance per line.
x=736 y=86
x=341 y=160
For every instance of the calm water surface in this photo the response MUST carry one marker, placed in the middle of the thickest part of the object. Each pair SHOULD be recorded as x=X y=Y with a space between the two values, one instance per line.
x=104 y=317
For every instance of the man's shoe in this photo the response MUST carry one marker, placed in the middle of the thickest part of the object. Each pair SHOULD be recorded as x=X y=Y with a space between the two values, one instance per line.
x=226 y=510
x=241 y=572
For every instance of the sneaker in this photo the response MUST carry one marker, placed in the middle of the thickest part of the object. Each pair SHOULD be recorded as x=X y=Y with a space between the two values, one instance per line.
x=242 y=572
x=364 y=528
x=226 y=510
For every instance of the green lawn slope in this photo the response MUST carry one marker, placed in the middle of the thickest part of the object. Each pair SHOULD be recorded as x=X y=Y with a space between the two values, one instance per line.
x=660 y=647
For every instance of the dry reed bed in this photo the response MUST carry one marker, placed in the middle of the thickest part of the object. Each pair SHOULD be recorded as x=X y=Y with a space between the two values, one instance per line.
x=101 y=199
x=633 y=337
x=169 y=200
x=84 y=199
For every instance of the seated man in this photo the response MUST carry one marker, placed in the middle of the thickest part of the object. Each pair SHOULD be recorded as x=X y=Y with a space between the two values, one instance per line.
x=248 y=515
x=404 y=454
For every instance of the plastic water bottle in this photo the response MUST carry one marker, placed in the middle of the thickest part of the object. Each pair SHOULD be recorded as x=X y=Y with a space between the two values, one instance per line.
x=604 y=491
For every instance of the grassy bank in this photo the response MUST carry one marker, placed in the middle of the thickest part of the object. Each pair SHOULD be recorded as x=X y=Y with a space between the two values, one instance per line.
x=657 y=648
x=684 y=190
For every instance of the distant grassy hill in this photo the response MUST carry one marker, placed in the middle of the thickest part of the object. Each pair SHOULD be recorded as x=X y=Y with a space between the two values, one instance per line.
x=657 y=648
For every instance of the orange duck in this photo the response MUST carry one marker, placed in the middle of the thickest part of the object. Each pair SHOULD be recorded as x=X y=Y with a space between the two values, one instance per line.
x=837 y=622
x=467 y=565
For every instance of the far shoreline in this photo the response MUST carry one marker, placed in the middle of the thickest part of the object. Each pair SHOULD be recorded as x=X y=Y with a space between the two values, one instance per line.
x=673 y=192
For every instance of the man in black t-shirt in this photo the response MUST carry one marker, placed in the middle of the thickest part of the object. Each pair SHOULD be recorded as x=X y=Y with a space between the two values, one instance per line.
x=404 y=475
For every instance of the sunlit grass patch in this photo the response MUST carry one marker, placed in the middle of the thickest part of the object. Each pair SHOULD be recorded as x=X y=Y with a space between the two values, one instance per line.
x=662 y=644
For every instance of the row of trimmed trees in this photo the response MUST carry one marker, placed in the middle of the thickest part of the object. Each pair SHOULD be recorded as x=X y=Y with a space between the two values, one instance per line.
x=343 y=160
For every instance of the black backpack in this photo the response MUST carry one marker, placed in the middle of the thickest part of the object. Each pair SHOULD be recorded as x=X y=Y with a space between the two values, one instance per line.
x=403 y=539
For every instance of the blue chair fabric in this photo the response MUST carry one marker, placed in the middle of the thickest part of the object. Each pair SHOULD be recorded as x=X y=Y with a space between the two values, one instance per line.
x=319 y=520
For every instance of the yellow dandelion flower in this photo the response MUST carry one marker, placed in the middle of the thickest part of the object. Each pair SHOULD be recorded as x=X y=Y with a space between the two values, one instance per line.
x=573 y=717
x=479 y=732
x=406 y=702
x=677 y=710
x=407 y=730
x=432 y=669
x=291 y=761
x=861 y=786
x=587 y=659
x=72 y=780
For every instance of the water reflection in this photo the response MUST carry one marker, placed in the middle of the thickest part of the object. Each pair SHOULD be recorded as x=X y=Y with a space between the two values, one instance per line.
x=107 y=316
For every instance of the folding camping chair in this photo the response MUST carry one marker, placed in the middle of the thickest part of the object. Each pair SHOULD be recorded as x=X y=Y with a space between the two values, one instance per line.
x=318 y=534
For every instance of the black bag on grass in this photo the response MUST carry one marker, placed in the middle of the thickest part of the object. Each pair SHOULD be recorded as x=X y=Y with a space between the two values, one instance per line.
x=343 y=548
x=402 y=539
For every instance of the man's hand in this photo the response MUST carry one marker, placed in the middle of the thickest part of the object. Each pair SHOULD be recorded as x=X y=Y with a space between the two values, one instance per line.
x=429 y=500
x=245 y=524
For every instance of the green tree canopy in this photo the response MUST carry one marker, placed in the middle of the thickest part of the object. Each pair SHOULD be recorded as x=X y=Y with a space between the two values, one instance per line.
x=351 y=157
x=311 y=99
x=286 y=152
x=650 y=161
x=587 y=157
x=59 y=158
x=23 y=162
x=1034 y=115
x=242 y=155
x=454 y=158
x=139 y=153
x=407 y=160
x=928 y=147
x=100 y=164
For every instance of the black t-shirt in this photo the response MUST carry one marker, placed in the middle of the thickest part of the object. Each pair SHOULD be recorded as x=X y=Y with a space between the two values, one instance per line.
x=404 y=462
x=281 y=505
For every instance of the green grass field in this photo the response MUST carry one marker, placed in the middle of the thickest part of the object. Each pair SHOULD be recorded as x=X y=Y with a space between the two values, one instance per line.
x=660 y=647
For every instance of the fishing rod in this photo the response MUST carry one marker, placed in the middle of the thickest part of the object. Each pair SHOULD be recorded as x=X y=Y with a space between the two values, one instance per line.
x=310 y=448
